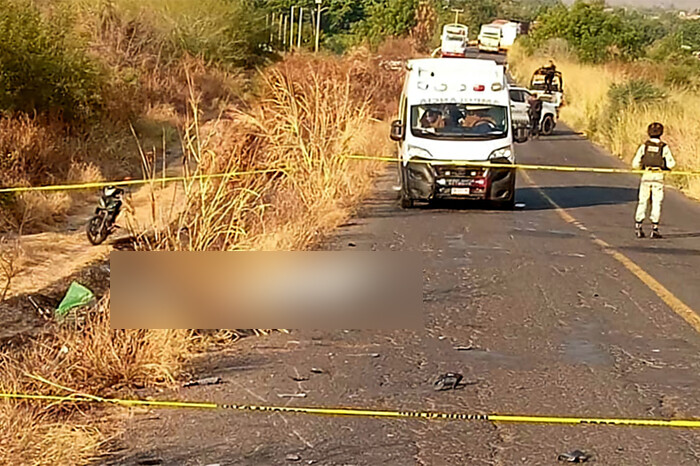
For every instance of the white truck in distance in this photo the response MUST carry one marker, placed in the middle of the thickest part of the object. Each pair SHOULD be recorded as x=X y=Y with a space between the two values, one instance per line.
x=489 y=38
x=455 y=40
x=454 y=111
x=498 y=35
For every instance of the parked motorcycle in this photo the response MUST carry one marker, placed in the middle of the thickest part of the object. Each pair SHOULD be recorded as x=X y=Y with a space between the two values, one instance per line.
x=102 y=224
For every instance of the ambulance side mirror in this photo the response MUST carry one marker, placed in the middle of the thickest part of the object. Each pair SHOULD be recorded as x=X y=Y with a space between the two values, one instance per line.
x=520 y=134
x=397 y=130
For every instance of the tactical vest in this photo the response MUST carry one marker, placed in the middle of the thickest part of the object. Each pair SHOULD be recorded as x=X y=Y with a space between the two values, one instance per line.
x=654 y=155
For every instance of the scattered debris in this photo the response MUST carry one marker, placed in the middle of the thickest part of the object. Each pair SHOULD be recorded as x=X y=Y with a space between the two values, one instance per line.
x=205 y=381
x=298 y=378
x=371 y=355
x=576 y=456
x=656 y=351
x=351 y=244
x=291 y=395
x=448 y=381
x=76 y=296
x=43 y=313
x=464 y=348
x=316 y=370
x=293 y=457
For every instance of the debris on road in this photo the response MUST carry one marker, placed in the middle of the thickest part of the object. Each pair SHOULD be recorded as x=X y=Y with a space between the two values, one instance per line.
x=469 y=347
x=204 y=381
x=576 y=456
x=316 y=370
x=293 y=457
x=291 y=395
x=298 y=378
x=448 y=381
x=371 y=355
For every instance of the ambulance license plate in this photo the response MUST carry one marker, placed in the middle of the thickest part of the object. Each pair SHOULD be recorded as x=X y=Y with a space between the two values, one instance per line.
x=460 y=191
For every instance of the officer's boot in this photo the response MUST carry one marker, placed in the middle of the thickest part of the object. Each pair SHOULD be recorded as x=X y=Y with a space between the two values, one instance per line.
x=638 y=230
x=655 y=231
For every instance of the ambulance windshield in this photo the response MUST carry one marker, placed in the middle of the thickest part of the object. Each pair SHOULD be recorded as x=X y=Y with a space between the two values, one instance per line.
x=459 y=121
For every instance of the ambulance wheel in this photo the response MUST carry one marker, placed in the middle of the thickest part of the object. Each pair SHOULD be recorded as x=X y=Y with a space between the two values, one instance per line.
x=508 y=204
x=406 y=202
x=548 y=125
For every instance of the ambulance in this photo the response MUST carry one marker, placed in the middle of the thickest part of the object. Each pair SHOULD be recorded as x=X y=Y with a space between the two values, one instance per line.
x=453 y=111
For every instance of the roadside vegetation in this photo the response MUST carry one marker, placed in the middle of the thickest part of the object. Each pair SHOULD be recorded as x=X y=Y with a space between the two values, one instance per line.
x=622 y=70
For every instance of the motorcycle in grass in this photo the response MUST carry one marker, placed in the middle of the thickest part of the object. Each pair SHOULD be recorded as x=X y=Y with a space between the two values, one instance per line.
x=102 y=224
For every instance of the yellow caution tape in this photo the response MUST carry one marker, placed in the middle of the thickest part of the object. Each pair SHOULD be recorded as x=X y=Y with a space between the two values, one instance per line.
x=556 y=168
x=505 y=418
x=101 y=184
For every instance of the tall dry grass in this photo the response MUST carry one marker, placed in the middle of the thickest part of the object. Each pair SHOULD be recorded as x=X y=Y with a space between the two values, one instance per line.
x=312 y=112
x=588 y=108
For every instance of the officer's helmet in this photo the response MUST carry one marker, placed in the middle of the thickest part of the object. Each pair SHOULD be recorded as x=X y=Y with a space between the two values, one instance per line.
x=655 y=130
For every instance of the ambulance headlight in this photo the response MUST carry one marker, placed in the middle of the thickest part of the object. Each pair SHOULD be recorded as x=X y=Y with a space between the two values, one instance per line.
x=502 y=153
x=417 y=153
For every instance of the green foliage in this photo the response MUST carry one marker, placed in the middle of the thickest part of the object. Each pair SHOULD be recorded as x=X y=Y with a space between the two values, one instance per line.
x=634 y=92
x=387 y=18
x=44 y=67
x=597 y=34
x=684 y=73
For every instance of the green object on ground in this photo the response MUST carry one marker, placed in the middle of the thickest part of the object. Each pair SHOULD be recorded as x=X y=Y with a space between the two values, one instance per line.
x=76 y=296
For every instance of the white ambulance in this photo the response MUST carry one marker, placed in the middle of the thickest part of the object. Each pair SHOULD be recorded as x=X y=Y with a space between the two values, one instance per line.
x=456 y=110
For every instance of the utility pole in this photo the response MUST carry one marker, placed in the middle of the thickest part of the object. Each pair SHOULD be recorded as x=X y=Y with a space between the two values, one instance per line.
x=270 y=27
x=284 y=34
x=301 y=18
x=279 y=32
x=291 y=29
x=457 y=11
x=318 y=23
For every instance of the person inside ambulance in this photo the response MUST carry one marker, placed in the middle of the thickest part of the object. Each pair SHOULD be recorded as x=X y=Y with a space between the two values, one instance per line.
x=432 y=118
x=654 y=157
x=478 y=119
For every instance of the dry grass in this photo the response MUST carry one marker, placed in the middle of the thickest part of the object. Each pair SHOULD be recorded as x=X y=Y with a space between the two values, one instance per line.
x=587 y=101
x=84 y=355
x=312 y=112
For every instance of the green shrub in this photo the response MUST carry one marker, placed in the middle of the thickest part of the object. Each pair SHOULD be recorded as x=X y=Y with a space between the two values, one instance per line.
x=44 y=67
x=634 y=92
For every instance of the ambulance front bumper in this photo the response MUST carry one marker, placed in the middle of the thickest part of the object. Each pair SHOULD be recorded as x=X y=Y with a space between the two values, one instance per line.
x=425 y=180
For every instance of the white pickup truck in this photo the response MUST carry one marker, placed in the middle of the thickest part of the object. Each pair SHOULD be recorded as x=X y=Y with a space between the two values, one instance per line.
x=519 y=105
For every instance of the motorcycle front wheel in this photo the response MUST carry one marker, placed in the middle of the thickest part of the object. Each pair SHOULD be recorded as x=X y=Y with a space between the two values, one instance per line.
x=96 y=229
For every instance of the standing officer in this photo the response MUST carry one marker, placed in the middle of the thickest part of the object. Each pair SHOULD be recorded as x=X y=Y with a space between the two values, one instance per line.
x=654 y=157
x=534 y=112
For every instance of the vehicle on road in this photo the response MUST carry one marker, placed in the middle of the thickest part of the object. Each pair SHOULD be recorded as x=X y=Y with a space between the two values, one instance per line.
x=455 y=111
x=102 y=224
x=490 y=38
x=538 y=87
x=519 y=104
x=509 y=32
x=455 y=40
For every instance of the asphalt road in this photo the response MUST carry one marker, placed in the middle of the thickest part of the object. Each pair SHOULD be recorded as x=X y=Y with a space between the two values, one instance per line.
x=561 y=309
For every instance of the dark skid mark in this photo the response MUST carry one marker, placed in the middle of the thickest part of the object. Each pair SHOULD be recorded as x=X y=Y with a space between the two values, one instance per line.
x=568 y=197
x=544 y=233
